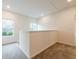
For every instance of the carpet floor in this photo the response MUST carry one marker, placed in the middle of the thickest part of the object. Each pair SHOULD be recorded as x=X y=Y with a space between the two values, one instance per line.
x=58 y=51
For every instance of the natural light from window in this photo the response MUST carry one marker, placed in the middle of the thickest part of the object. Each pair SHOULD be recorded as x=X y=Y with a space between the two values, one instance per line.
x=7 y=27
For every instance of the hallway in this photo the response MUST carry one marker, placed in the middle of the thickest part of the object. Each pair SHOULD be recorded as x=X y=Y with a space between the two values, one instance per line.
x=12 y=51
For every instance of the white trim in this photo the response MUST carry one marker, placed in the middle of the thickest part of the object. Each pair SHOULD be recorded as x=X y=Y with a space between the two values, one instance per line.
x=42 y=50
x=24 y=52
x=48 y=47
x=71 y=44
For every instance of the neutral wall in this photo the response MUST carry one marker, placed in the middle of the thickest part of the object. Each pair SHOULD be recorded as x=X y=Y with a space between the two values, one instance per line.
x=64 y=22
x=15 y=18
x=48 y=23
x=40 y=40
x=22 y=24
x=67 y=26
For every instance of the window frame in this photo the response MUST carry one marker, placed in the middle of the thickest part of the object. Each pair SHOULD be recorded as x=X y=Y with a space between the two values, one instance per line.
x=12 y=26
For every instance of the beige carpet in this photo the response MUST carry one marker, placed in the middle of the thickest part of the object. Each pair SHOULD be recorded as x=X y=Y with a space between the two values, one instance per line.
x=12 y=51
x=58 y=51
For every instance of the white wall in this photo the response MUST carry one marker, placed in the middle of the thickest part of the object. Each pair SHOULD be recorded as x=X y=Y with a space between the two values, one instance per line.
x=40 y=40
x=14 y=17
x=48 y=23
x=67 y=26
x=22 y=24
x=64 y=22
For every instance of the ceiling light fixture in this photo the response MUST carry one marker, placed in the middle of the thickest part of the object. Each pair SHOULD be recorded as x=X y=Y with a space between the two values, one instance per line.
x=69 y=0
x=8 y=6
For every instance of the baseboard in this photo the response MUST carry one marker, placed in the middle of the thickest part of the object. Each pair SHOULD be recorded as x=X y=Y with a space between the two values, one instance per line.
x=66 y=44
x=42 y=50
x=24 y=52
x=53 y=45
x=8 y=43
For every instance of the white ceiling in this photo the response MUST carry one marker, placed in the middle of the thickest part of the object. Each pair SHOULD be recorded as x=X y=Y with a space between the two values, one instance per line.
x=34 y=8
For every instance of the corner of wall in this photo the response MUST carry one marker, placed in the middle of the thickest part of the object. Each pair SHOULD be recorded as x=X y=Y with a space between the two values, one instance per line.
x=25 y=53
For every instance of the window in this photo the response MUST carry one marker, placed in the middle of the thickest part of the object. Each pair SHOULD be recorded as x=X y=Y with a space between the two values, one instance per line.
x=34 y=26
x=7 y=27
